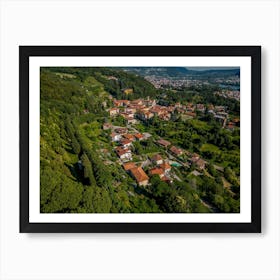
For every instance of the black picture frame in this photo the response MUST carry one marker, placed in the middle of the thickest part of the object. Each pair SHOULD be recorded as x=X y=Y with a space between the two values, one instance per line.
x=25 y=52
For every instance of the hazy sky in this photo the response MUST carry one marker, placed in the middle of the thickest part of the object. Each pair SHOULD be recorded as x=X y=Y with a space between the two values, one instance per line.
x=211 y=68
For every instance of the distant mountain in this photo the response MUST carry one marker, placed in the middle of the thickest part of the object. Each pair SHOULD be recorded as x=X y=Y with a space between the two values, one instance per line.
x=182 y=72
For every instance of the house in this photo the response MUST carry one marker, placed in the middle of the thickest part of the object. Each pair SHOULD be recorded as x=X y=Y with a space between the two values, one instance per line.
x=113 y=112
x=129 y=114
x=124 y=153
x=140 y=176
x=200 y=164
x=191 y=114
x=165 y=166
x=223 y=114
x=220 y=108
x=126 y=143
x=115 y=137
x=176 y=151
x=200 y=107
x=165 y=116
x=136 y=102
x=150 y=102
x=157 y=110
x=125 y=102
x=157 y=159
x=190 y=107
x=131 y=109
x=180 y=110
x=121 y=130
x=170 y=109
x=129 y=165
x=163 y=143
x=131 y=120
x=107 y=126
x=195 y=157
x=157 y=171
x=118 y=103
x=126 y=115
x=139 y=136
x=148 y=115
x=145 y=115
x=231 y=126
x=166 y=179
x=128 y=137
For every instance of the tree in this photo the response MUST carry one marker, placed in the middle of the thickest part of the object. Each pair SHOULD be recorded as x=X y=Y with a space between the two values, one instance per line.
x=88 y=174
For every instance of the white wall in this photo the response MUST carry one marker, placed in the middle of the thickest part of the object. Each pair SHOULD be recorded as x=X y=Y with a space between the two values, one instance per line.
x=135 y=256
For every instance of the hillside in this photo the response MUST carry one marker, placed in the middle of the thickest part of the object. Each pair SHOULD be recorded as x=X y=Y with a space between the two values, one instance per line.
x=81 y=170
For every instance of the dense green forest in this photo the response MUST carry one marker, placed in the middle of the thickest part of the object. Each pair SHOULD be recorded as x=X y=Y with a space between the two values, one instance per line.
x=78 y=167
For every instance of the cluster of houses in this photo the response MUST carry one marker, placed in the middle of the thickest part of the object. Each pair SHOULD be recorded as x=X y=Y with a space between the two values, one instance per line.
x=124 y=139
x=145 y=109
x=234 y=94
x=160 y=168
x=123 y=150
x=177 y=152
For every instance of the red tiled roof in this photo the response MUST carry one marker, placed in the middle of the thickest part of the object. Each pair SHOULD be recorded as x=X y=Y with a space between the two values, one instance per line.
x=156 y=171
x=165 y=178
x=129 y=165
x=138 y=135
x=125 y=141
x=139 y=174
x=128 y=136
x=156 y=157
x=165 y=166
x=164 y=142
x=121 y=129
x=176 y=150
x=122 y=152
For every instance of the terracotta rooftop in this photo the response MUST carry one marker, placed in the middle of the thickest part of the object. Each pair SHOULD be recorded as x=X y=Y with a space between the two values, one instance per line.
x=125 y=141
x=176 y=150
x=129 y=165
x=128 y=136
x=156 y=157
x=121 y=129
x=122 y=152
x=165 y=166
x=166 y=179
x=156 y=171
x=138 y=135
x=139 y=174
x=164 y=142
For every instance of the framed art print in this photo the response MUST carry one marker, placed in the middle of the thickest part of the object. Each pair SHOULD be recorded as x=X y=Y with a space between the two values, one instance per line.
x=140 y=138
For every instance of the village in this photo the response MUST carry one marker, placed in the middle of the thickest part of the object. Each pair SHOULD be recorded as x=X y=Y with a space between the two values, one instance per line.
x=161 y=164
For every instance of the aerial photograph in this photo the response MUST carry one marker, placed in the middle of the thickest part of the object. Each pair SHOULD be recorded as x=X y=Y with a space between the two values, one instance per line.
x=140 y=139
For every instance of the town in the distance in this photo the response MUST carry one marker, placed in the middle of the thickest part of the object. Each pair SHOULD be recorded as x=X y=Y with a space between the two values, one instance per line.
x=141 y=139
